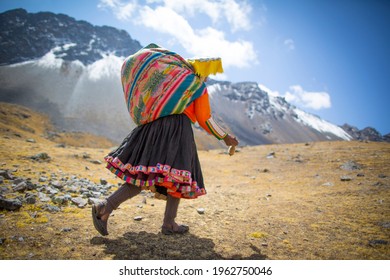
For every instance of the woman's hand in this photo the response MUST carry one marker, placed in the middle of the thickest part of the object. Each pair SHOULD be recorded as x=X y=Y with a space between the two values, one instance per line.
x=230 y=141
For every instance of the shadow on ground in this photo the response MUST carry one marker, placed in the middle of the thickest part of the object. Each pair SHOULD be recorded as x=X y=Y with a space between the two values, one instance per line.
x=150 y=246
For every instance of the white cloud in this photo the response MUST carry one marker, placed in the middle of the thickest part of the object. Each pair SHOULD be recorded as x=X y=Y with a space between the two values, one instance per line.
x=122 y=10
x=289 y=43
x=237 y=14
x=312 y=100
x=168 y=17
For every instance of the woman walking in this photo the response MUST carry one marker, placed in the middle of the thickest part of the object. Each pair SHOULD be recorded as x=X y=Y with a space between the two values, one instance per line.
x=164 y=94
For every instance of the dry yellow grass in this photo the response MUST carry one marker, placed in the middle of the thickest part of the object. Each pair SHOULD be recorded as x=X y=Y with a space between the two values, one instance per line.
x=292 y=206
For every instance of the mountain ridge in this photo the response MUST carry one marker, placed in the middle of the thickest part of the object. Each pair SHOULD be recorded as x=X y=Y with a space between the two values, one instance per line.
x=26 y=36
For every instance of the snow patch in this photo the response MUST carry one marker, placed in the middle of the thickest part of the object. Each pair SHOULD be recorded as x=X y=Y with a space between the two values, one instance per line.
x=109 y=66
x=53 y=60
x=213 y=88
x=321 y=125
x=50 y=60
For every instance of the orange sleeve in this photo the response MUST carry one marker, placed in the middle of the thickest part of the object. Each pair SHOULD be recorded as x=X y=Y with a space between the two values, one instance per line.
x=202 y=111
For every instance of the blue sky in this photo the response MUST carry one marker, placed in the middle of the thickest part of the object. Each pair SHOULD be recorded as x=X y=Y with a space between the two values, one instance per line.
x=328 y=57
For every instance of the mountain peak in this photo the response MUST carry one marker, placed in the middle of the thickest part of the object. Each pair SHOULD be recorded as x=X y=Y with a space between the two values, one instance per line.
x=27 y=36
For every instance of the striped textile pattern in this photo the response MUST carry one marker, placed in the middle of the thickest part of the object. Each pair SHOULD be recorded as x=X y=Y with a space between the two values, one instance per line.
x=215 y=129
x=157 y=82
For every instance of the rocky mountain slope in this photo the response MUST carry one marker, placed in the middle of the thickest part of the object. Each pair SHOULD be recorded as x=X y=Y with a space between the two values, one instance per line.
x=70 y=70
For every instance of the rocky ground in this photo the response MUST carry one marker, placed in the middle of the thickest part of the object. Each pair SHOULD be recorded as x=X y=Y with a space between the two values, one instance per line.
x=323 y=200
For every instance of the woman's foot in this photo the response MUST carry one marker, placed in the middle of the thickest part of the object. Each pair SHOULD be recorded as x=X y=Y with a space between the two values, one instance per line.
x=169 y=229
x=100 y=216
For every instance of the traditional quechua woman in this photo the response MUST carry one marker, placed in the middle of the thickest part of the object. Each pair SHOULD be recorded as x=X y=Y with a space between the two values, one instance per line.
x=164 y=94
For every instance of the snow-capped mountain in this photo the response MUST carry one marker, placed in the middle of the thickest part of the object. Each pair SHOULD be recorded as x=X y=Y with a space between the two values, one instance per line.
x=70 y=70
x=25 y=36
x=259 y=117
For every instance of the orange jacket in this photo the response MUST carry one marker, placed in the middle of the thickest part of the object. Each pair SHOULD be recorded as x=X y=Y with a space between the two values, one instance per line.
x=199 y=111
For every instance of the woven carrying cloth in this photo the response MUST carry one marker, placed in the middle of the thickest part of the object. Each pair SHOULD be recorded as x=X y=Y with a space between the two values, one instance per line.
x=157 y=83
x=160 y=156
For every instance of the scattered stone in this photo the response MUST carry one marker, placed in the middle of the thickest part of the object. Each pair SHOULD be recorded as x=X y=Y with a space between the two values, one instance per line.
x=5 y=174
x=345 y=178
x=51 y=208
x=42 y=197
x=30 y=198
x=1 y=179
x=2 y=240
x=51 y=192
x=271 y=155
x=20 y=187
x=138 y=218
x=87 y=168
x=61 y=199
x=144 y=200
x=61 y=145
x=378 y=242
x=328 y=184
x=200 y=211
x=385 y=225
x=21 y=239
x=351 y=166
x=4 y=190
x=92 y=200
x=298 y=158
x=382 y=176
x=72 y=189
x=79 y=202
x=31 y=140
x=86 y=156
x=10 y=204
x=67 y=229
x=103 y=181
x=41 y=156
x=57 y=185
x=17 y=181
x=264 y=244
x=96 y=161
x=360 y=175
x=265 y=170
x=96 y=194
x=378 y=184
x=42 y=179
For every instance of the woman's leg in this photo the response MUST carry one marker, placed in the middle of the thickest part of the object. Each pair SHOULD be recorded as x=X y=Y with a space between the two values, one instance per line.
x=169 y=224
x=102 y=211
x=112 y=202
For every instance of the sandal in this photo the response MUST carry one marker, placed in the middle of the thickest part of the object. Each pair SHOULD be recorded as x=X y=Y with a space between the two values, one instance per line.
x=100 y=225
x=169 y=230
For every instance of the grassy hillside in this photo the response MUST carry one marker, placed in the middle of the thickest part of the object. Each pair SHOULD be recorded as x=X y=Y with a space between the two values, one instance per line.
x=323 y=200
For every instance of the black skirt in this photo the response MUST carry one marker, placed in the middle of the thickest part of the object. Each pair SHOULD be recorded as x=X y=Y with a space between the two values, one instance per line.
x=160 y=156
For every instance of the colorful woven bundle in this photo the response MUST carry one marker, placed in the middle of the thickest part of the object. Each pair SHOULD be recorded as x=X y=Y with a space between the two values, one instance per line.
x=158 y=82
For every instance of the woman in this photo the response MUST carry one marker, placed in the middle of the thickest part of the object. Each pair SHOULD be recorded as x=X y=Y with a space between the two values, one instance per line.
x=164 y=94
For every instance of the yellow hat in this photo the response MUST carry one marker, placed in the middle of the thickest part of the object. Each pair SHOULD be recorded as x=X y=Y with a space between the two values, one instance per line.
x=206 y=66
